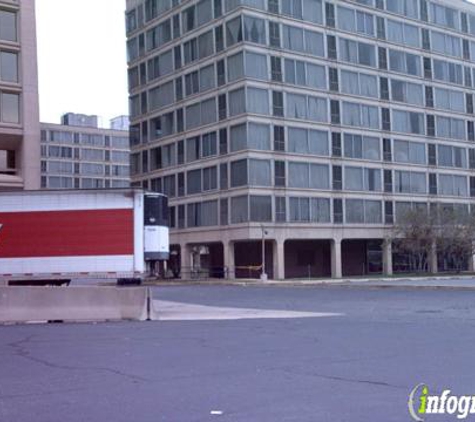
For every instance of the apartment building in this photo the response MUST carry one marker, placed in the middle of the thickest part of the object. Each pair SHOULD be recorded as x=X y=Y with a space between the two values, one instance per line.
x=77 y=154
x=19 y=112
x=303 y=128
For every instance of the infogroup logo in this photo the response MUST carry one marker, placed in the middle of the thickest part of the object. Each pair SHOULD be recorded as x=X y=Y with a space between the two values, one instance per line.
x=422 y=403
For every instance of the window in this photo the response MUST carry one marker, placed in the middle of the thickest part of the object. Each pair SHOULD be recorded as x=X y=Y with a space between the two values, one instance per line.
x=403 y=33
x=450 y=128
x=406 y=92
x=279 y=173
x=280 y=209
x=238 y=173
x=337 y=177
x=388 y=181
x=239 y=209
x=277 y=104
x=260 y=208
x=330 y=15
x=410 y=182
x=362 y=147
x=279 y=138
x=388 y=212
x=273 y=6
x=254 y=30
x=336 y=144
x=223 y=141
x=387 y=151
x=331 y=47
x=335 y=112
x=432 y=153
x=234 y=32
x=304 y=175
x=432 y=184
x=360 y=115
x=224 y=212
x=8 y=26
x=9 y=107
x=363 y=179
x=274 y=34
x=409 y=152
x=408 y=122
x=303 y=141
x=222 y=107
x=430 y=119
x=404 y=63
x=429 y=91
x=450 y=156
x=357 y=52
x=382 y=58
x=9 y=66
x=276 y=68
x=223 y=176
x=333 y=77
x=337 y=211
x=452 y=185
x=355 y=21
x=359 y=84
x=219 y=38
x=384 y=88
x=363 y=211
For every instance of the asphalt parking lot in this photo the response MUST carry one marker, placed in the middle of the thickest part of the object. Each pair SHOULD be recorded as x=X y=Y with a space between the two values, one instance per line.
x=357 y=364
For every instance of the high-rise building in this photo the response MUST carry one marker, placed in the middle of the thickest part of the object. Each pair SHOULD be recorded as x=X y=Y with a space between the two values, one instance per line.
x=120 y=123
x=19 y=113
x=79 y=155
x=301 y=127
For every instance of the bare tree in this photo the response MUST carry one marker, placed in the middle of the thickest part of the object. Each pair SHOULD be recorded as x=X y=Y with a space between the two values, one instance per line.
x=456 y=235
x=451 y=230
x=413 y=235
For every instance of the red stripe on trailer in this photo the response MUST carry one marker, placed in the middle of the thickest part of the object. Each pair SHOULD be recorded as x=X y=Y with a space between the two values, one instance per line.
x=66 y=233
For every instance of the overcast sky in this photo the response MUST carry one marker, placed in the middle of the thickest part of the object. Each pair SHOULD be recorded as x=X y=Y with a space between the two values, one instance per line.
x=81 y=58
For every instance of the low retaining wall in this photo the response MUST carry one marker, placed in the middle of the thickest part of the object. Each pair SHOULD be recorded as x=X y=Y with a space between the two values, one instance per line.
x=88 y=303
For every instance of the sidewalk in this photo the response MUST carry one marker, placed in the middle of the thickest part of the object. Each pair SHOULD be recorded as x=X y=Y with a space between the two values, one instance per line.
x=434 y=282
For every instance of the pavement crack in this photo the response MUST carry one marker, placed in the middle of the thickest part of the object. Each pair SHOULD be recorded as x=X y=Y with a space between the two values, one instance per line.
x=343 y=379
x=20 y=350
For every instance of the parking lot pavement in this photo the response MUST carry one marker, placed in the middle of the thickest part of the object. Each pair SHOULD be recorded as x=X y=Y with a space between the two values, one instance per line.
x=360 y=366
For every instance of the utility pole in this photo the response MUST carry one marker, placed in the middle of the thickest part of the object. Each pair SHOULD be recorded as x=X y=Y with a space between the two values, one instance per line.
x=263 y=266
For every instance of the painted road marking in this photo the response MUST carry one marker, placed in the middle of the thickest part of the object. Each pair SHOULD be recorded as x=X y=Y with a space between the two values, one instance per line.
x=178 y=311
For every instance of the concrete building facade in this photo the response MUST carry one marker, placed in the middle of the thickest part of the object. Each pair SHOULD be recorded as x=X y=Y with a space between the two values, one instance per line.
x=294 y=132
x=19 y=109
x=80 y=155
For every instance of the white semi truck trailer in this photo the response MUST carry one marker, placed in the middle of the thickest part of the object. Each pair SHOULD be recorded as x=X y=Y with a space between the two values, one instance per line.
x=70 y=234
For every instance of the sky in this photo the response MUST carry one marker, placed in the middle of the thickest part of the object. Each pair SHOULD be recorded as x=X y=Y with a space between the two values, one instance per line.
x=81 y=58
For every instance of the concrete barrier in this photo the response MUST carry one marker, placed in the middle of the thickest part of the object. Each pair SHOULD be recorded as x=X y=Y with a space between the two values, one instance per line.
x=88 y=303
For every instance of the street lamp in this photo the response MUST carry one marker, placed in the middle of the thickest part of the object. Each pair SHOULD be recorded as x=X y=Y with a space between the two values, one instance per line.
x=263 y=265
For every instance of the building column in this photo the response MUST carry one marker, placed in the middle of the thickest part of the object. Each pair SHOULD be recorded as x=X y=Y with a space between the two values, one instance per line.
x=228 y=251
x=471 y=259
x=433 y=266
x=185 y=261
x=336 y=258
x=387 y=257
x=279 y=260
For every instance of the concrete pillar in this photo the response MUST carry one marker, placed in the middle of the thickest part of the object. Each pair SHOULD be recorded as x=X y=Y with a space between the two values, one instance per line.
x=336 y=258
x=185 y=261
x=387 y=257
x=471 y=259
x=279 y=260
x=471 y=263
x=228 y=251
x=433 y=267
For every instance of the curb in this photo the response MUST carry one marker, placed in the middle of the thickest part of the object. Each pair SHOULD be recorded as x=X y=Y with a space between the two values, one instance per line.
x=347 y=282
